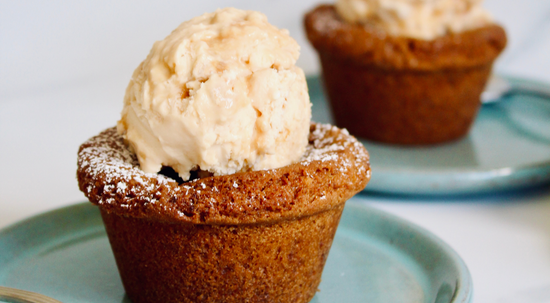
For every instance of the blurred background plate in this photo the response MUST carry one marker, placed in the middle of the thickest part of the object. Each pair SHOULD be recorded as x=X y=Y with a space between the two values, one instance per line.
x=507 y=148
x=375 y=257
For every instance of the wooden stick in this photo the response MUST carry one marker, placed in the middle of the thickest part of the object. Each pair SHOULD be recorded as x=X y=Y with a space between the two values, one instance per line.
x=23 y=296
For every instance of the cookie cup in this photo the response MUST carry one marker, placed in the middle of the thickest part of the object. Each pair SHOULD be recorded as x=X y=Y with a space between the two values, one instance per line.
x=260 y=236
x=402 y=90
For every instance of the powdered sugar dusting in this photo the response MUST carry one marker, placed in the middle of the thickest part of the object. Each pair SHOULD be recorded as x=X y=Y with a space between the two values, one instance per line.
x=109 y=174
x=107 y=155
x=326 y=141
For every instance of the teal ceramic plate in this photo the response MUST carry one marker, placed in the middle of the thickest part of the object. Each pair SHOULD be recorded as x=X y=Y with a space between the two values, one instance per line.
x=375 y=258
x=507 y=148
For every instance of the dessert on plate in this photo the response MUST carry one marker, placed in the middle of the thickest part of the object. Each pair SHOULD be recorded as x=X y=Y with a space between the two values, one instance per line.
x=405 y=72
x=215 y=186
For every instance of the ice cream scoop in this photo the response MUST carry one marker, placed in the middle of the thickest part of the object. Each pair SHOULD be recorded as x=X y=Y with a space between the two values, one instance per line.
x=420 y=19
x=220 y=94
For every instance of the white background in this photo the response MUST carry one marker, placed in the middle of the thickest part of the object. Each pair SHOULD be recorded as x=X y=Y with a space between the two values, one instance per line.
x=64 y=66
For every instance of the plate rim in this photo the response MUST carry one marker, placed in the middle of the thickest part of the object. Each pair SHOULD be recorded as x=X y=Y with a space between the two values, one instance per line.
x=463 y=292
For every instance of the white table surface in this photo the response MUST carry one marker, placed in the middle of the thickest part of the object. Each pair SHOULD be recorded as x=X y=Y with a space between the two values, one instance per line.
x=64 y=66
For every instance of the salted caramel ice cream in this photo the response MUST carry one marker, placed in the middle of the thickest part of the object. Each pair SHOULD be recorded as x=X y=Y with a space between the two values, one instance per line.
x=420 y=19
x=221 y=94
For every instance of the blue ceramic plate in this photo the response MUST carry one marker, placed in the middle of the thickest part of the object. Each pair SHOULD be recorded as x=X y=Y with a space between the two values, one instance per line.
x=507 y=148
x=375 y=258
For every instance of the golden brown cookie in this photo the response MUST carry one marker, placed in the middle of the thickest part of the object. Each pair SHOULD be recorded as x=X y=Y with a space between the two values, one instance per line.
x=402 y=90
x=260 y=236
